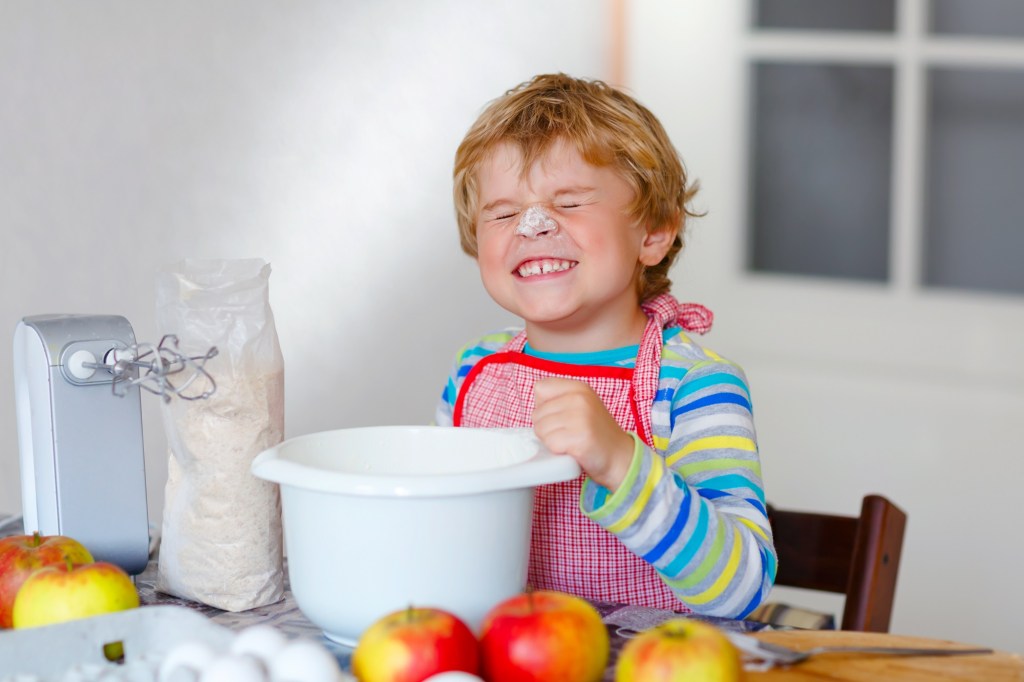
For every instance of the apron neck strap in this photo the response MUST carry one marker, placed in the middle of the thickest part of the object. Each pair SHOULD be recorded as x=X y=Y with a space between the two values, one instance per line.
x=692 y=317
x=517 y=344
x=664 y=311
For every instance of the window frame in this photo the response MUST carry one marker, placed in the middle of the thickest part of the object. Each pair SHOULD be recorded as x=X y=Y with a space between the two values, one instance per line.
x=902 y=329
x=911 y=50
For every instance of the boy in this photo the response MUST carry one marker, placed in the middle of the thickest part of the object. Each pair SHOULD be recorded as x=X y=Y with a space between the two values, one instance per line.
x=572 y=199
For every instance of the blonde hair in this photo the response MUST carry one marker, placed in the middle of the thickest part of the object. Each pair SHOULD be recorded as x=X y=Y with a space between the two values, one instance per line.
x=608 y=128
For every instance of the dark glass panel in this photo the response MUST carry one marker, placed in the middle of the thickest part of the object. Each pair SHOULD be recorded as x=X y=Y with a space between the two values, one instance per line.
x=826 y=15
x=974 y=198
x=820 y=186
x=1000 y=18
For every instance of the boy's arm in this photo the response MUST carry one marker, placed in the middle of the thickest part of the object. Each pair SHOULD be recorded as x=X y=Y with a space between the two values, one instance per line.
x=697 y=513
x=443 y=413
x=467 y=356
x=445 y=410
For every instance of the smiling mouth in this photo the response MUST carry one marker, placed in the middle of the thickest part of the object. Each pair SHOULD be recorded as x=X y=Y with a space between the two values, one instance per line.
x=544 y=266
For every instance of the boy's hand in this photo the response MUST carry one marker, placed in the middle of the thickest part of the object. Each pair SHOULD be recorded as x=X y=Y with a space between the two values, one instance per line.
x=569 y=418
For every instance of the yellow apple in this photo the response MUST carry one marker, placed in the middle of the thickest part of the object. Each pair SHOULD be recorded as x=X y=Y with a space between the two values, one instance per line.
x=21 y=555
x=57 y=594
x=413 y=644
x=679 y=649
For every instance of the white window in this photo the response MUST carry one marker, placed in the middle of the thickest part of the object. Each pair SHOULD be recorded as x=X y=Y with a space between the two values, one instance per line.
x=886 y=142
x=895 y=372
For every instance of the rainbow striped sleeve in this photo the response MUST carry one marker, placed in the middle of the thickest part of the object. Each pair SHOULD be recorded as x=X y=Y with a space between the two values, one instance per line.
x=465 y=359
x=694 y=505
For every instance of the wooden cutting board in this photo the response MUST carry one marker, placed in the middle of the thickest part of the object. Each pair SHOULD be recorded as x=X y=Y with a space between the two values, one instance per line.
x=995 y=667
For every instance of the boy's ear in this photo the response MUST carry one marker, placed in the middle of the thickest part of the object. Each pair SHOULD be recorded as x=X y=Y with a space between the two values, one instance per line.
x=656 y=245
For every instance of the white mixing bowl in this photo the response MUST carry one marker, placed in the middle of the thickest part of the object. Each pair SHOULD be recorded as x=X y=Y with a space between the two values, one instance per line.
x=380 y=518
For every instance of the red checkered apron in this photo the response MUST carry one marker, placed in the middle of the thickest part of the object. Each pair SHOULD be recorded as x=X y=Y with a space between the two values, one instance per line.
x=568 y=551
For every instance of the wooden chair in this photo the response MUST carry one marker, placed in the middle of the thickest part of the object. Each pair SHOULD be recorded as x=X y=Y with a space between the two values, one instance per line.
x=855 y=556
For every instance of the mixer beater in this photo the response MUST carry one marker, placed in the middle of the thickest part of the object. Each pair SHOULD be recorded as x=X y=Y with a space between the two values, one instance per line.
x=152 y=367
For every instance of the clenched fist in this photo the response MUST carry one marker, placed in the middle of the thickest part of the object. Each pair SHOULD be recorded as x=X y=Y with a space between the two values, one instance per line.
x=570 y=418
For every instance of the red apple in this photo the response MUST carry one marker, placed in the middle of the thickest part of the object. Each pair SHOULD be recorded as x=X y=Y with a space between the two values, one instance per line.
x=56 y=594
x=544 y=635
x=21 y=555
x=413 y=644
x=679 y=649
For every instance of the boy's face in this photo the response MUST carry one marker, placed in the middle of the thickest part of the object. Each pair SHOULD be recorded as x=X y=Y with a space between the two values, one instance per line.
x=579 y=280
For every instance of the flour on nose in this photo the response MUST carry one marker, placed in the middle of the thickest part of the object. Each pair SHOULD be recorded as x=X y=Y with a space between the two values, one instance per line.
x=535 y=222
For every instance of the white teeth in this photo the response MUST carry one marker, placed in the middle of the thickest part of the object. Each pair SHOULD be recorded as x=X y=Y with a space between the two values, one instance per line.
x=543 y=267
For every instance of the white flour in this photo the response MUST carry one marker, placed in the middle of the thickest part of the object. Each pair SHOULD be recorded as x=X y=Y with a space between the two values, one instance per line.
x=222 y=538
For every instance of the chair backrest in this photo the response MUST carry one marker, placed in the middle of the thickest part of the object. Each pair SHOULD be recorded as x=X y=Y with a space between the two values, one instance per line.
x=855 y=556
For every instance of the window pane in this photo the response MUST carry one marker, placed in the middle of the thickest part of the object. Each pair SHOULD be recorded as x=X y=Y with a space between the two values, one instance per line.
x=975 y=178
x=842 y=15
x=821 y=146
x=979 y=17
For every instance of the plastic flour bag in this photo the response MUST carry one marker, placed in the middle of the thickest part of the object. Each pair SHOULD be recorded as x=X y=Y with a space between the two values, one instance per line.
x=222 y=540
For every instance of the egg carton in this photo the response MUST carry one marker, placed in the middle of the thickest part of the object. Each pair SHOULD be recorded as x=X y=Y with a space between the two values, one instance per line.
x=74 y=651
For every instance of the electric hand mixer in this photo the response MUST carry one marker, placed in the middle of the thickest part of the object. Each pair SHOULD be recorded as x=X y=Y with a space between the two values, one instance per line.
x=77 y=381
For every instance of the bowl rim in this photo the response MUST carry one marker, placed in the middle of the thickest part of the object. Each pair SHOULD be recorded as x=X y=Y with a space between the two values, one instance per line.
x=541 y=468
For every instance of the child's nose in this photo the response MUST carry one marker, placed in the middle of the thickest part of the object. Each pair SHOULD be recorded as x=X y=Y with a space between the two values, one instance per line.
x=536 y=222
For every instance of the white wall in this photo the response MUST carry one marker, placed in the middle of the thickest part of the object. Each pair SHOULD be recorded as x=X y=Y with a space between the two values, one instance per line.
x=318 y=135
x=917 y=395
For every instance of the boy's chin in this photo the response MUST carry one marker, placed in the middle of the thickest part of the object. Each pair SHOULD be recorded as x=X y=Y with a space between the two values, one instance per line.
x=559 y=322
x=547 y=313
x=544 y=309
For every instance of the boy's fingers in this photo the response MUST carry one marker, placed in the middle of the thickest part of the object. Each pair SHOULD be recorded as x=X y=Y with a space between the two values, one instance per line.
x=549 y=388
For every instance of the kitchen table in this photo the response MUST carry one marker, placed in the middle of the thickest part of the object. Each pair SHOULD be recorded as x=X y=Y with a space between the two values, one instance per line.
x=857 y=667
x=994 y=667
x=286 y=616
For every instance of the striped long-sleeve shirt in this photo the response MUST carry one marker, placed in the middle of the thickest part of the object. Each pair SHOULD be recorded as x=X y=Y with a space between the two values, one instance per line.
x=693 y=506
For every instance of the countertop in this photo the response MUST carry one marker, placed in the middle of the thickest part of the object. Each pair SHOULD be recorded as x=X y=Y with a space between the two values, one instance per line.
x=618 y=618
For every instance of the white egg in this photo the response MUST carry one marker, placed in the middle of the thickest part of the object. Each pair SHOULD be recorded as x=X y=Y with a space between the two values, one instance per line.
x=139 y=671
x=303 y=660
x=193 y=655
x=261 y=641
x=75 y=674
x=234 y=668
x=454 y=676
x=182 y=675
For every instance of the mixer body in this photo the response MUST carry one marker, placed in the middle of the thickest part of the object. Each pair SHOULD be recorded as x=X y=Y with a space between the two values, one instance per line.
x=81 y=447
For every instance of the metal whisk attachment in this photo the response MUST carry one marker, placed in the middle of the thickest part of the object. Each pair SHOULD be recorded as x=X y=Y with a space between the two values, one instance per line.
x=161 y=369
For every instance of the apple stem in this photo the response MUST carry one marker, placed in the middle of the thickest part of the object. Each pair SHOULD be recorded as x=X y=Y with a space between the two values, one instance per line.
x=676 y=632
x=408 y=613
x=67 y=560
x=36 y=539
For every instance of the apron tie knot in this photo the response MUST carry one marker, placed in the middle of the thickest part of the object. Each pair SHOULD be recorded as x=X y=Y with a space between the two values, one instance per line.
x=692 y=317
